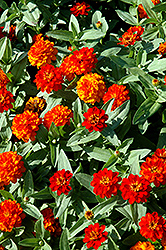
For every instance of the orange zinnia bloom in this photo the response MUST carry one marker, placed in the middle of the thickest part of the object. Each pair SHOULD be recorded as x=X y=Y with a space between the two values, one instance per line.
x=155 y=2
x=142 y=11
x=119 y=93
x=80 y=62
x=49 y=78
x=95 y=235
x=12 y=168
x=5 y=100
x=160 y=153
x=132 y=35
x=95 y=119
x=11 y=34
x=154 y=170
x=60 y=115
x=25 y=125
x=80 y=9
x=162 y=49
x=135 y=189
x=105 y=183
x=35 y=104
x=2 y=248
x=60 y=182
x=152 y=226
x=42 y=52
x=91 y=88
x=89 y=215
x=51 y=224
x=145 y=245
x=11 y=215
x=4 y=80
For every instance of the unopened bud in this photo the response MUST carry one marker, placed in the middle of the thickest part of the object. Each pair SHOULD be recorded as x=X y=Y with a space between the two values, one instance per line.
x=155 y=82
x=98 y=24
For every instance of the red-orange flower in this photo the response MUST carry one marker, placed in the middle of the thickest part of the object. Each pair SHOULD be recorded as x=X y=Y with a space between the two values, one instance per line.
x=42 y=52
x=51 y=224
x=60 y=182
x=91 y=88
x=60 y=115
x=132 y=35
x=119 y=93
x=105 y=183
x=11 y=35
x=95 y=119
x=89 y=214
x=152 y=226
x=49 y=78
x=162 y=49
x=11 y=215
x=160 y=153
x=155 y=2
x=80 y=62
x=142 y=11
x=4 y=80
x=5 y=100
x=95 y=235
x=12 y=168
x=154 y=170
x=145 y=245
x=2 y=248
x=163 y=241
x=135 y=189
x=35 y=104
x=80 y=9
x=25 y=125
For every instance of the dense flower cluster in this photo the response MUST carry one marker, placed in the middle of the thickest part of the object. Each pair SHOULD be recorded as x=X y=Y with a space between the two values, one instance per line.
x=132 y=35
x=135 y=189
x=152 y=226
x=49 y=78
x=162 y=49
x=95 y=235
x=35 y=104
x=6 y=100
x=25 y=125
x=42 y=52
x=12 y=168
x=11 y=215
x=91 y=88
x=51 y=224
x=59 y=115
x=11 y=35
x=145 y=245
x=154 y=170
x=119 y=93
x=105 y=183
x=80 y=9
x=80 y=62
x=4 y=80
x=60 y=182
x=95 y=119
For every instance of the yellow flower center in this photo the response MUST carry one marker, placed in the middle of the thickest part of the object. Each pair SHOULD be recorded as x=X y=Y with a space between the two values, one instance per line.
x=152 y=225
x=135 y=186
x=93 y=235
x=105 y=180
x=61 y=181
x=94 y=119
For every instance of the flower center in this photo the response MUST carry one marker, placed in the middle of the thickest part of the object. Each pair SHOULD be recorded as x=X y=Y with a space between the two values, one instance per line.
x=154 y=169
x=93 y=235
x=2 y=98
x=152 y=225
x=48 y=75
x=94 y=119
x=61 y=181
x=135 y=186
x=79 y=7
x=105 y=180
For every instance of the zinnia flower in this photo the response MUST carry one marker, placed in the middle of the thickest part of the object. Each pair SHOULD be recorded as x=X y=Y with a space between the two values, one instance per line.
x=80 y=9
x=155 y=2
x=95 y=119
x=162 y=49
x=80 y=62
x=49 y=78
x=4 y=80
x=25 y=125
x=11 y=34
x=2 y=248
x=160 y=153
x=135 y=189
x=145 y=245
x=105 y=183
x=60 y=182
x=5 y=100
x=119 y=93
x=154 y=170
x=42 y=52
x=142 y=11
x=163 y=241
x=91 y=88
x=60 y=115
x=132 y=35
x=35 y=104
x=89 y=215
x=11 y=215
x=51 y=224
x=12 y=168
x=94 y=235
x=152 y=226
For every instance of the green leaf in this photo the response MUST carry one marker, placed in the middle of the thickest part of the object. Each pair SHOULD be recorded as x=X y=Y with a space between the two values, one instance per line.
x=10 y=244
x=30 y=242
x=7 y=56
x=148 y=5
x=63 y=162
x=64 y=243
x=162 y=138
x=75 y=23
x=123 y=62
x=31 y=210
x=104 y=207
x=110 y=135
x=111 y=244
x=147 y=109
x=43 y=194
x=126 y=17
x=6 y=195
x=28 y=187
x=98 y=153
x=3 y=44
x=92 y=34
x=61 y=35
x=78 y=226
x=110 y=52
x=157 y=65
x=160 y=7
x=3 y=5
x=84 y=180
x=131 y=240
x=39 y=228
x=150 y=33
x=125 y=145
x=31 y=14
x=65 y=201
